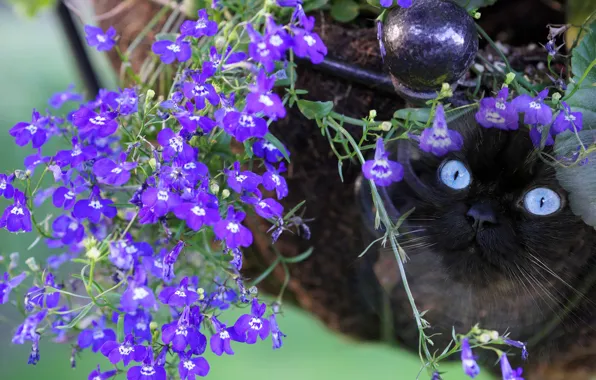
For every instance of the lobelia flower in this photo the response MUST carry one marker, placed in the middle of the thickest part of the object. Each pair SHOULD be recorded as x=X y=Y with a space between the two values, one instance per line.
x=223 y=297
x=276 y=334
x=266 y=150
x=111 y=173
x=381 y=170
x=37 y=296
x=439 y=140
x=190 y=367
x=520 y=345
x=220 y=342
x=128 y=101
x=277 y=38
x=227 y=106
x=198 y=213
x=76 y=156
x=191 y=123
x=33 y=131
x=468 y=360
x=273 y=180
x=261 y=51
x=34 y=355
x=507 y=372
x=308 y=44
x=534 y=109
x=261 y=99
x=58 y=99
x=137 y=323
x=567 y=121
x=288 y=3
x=401 y=3
x=6 y=188
x=96 y=374
x=498 y=112
x=169 y=260
x=26 y=331
x=17 y=217
x=169 y=51
x=66 y=230
x=199 y=90
x=96 y=336
x=123 y=253
x=228 y=57
x=137 y=294
x=160 y=200
x=103 y=124
x=100 y=40
x=174 y=146
x=436 y=376
x=65 y=197
x=265 y=208
x=536 y=135
x=8 y=284
x=93 y=207
x=201 y=27
x=178 y=296
x=149 y=370
x=253 y=325
x=245 y=180
x=125 y=351
x=232 y=231
x=243 y=126
x=182 y=333
x=34 y=160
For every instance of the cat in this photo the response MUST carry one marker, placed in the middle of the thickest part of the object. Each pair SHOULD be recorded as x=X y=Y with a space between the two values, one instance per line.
x=492 y=240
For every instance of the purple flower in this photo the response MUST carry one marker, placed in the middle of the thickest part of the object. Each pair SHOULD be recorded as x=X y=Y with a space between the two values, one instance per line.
x=498 y=112
x=137 y=294
x=288 y=3
x=220 y=341
x=242 y=181
x=39 y=297
x=182 y=333
x=93 y=207
x=33 y=131
x=228 y=57
x=508 y=372
x=381 y=170
x=202 y=27
x=65 y=197
x=468 y=360
x=243 y=126
x=227 y=106
x=401 y=3
x=123 y=253
x=96 y=374
x=520 y=345
x=264 y=149
x=261 y=51
x=232 y=231
x=536 y=135
x=125 y=352
x=148 y=371
x=169 y=260
x=160 y=200
x=198 y=90
x=104 y=123
x=6 y=188
x=178 y=296
x=77 y=155
x=273 y=180
x=59 y=98
x=567 y=121
x=183 y=176
x=253 y=325
x=439 y=140
x=169 y=51
x=261 y=99
x=27 y=330
x=137 y=323
x=66 y=231
x=268 y=208
x=17 y=217
x=196 y=214
x=33 y=160
x=102 y=41
x=534 y=109
x=190 y=367
x=96 y=336
x=190 y=122
x=276 y=334
x=116 y=174
x=174 y=146
x=307 y=43
x=8 y=284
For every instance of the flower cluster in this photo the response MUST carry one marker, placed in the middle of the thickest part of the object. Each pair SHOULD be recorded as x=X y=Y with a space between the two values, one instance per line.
x=151 y=197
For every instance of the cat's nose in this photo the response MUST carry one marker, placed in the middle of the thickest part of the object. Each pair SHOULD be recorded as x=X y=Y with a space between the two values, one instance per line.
x=482 y=215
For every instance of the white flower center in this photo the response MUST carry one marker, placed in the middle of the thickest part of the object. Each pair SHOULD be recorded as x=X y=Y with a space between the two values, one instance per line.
x=98 y=120
x=494 y=117
x=162 y=195
x=380 y=169
x=569 y=118
x=535 y=106
x=147 y=370
x=310 y=41
x=69 y=195
x=3 y=185
x=182 y=331
x=173 y=48
x=73 y=226
x=241 y=178
x=141 y=326
x=198 y=211
x=131 y=249
x=224 y=334
x=255 y=324
x=276 y=179
x=190 y=165
x=76 y=151
x=263 y=51
x=276 y=40
x=95 y=204
x=500 y=105
x=31 y=128
x=233 y=227
x=117 y=170
x=269 y=146
x=188 y=365
x=199 y=91
x=180 y=293
x=125 y=350
x=266 y=100
x=98 y=334
x=139 y=294
x=246 y=121
x=101 y=38
x=176 y=143
x=17 y=211
x=201 y=24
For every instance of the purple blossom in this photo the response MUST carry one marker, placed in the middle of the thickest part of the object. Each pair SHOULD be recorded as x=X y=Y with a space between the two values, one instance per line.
x=227 y=106
x=100 y=40
x=37 y=296
x=123 y=253
x=199 y=91
x=520 y=345
x=508 y=372
x=232 y=231
x=228 y=57
x=96 y=374
x=273 y=180
x=536 y=135
x=439 y=140
x=169 y=51
x=190 y=122
x=178 y=296
x=137 y=294
x=401 y=3
x=66 y=231
x=59 y=98
x=17 y=216
x=160 y=200
x=169 y=260
x=174 y=146
x=181 y=176
x=468 y=360
x=381 y=170
x=288 y=3
x=149 y=370
x=96 y=336
x=307 y=43
x=266 y=150
x=32 y=161
x=243 y=126
x=253 y=325
x=534 y=109
x=498 y=112
x=182 y=333
x=261 y=51
x=6 y=188
x=104 y=123
x=93 y=207
x=128 y=101
x=261 y=99
x=268 y=208
x=220 y=342
x=276 y=334
x=65 y=197
x=567 y=121
x=8 y=284
x=201 y=27
x=125 y=351
x=77 y=155
x=190 y=367
x=196 y=214
x=116 y=174
x=242 y=180
x=33 y=131
x=137 y=323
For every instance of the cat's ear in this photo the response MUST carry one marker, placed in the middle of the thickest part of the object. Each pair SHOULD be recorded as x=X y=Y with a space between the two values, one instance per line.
x=579 y=180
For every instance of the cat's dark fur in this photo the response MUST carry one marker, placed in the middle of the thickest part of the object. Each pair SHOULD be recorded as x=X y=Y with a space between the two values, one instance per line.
x=517 y=275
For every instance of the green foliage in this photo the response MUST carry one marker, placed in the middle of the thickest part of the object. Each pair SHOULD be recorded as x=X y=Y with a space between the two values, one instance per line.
x=475 y=4
x=581 y=93
x=31 y=8
x=345 y=10
x=314 y=110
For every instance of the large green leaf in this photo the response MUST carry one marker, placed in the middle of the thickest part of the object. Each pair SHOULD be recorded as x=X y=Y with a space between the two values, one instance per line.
x=344 y=10
x=475 y=4
x=583 y=99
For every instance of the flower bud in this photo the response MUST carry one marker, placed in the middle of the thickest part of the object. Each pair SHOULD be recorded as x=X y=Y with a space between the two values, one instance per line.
x=225 y=193
x=32 y=264
x=386 y=126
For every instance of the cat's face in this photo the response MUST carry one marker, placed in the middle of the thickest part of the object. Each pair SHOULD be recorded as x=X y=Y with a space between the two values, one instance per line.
x=491 y=239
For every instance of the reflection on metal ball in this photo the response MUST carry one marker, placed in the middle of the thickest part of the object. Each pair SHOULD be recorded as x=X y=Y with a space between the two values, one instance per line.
x=427 y=44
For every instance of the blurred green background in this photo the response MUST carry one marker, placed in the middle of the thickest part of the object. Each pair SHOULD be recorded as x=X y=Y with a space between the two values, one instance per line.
x=35 y=63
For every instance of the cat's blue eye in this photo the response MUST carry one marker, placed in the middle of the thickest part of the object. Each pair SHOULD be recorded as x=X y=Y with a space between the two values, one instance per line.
x=455 y=175
x=542 y=201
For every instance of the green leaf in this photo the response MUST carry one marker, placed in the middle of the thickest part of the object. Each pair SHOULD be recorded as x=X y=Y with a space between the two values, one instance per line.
x=314 y=110
x=30 y=8
x=413 y=114
x=311 y=5
x=82 y=314
x=120 y=327
x=345 y=10
x=276 y=143
x=583 y=98
x=475 y=4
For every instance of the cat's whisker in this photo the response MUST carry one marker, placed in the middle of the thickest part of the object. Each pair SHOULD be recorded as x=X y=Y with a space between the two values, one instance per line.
x=532 y=281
